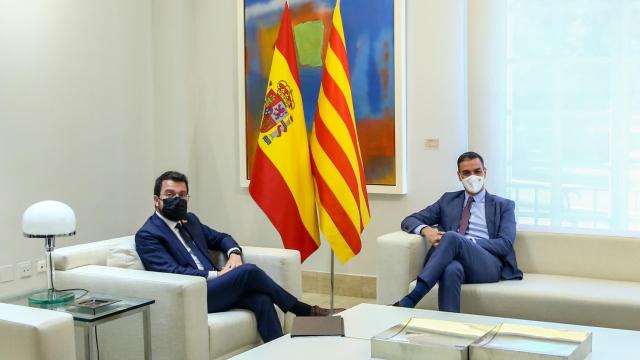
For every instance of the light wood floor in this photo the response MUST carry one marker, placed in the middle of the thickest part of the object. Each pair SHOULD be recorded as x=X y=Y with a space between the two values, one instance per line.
x=338 y=301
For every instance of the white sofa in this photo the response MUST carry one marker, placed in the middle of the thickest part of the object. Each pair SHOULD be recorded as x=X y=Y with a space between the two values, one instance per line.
x=578 y=279
x=180 y=325
x=35 y=334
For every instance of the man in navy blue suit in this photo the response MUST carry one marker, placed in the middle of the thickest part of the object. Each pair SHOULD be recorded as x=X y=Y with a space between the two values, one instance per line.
x=471 y=233
x=174 y=241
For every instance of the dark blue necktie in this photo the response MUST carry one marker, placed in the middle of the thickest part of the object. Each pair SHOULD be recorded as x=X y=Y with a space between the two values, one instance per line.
x=204 y=260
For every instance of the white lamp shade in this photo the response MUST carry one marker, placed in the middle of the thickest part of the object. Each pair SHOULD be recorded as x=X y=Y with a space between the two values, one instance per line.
x=48 y=218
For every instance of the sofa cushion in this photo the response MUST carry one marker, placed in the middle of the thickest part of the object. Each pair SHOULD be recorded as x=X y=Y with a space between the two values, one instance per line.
x=591 y=256
x=232 y=332
x=124 y=255
x=556 y=298
x=95 y=253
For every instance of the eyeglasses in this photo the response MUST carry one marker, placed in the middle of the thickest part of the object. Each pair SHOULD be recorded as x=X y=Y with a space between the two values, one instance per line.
x=170 y=195
x=466 y=173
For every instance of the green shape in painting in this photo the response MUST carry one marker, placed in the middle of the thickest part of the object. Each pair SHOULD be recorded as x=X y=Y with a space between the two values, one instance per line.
x=308 y=37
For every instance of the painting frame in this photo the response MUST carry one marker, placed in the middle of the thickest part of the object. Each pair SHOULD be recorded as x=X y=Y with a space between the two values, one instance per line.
x=399 y=37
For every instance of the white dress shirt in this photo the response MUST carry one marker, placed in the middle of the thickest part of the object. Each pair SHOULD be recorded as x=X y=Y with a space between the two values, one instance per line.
x=478 y=221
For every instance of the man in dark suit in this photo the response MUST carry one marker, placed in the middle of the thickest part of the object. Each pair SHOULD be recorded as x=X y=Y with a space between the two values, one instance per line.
x=472 y=234
x=174 y=241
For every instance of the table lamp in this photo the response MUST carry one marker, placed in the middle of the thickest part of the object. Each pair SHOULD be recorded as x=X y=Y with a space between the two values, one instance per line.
x=47 y=220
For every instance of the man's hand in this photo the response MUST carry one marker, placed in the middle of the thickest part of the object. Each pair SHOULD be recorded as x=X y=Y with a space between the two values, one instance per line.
x=234 y=261
x=434 y=236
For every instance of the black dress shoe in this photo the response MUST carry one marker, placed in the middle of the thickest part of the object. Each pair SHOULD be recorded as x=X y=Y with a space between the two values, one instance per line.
x=320 y=311
x=396 y=304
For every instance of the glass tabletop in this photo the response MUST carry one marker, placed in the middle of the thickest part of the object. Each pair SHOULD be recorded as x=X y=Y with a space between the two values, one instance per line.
x=86 y=306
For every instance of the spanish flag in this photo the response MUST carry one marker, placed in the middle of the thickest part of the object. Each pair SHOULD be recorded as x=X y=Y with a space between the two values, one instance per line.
x=336 y=161
x=281 y=180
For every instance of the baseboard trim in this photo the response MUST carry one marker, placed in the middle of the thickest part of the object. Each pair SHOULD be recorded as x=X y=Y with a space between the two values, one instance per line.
x=344 y=284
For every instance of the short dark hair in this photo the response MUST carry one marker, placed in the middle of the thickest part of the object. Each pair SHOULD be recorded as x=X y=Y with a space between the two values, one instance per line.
x=169 y=175
x=470 y=155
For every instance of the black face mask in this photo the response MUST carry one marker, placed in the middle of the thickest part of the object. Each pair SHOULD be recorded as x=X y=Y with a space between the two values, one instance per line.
x=174 y=209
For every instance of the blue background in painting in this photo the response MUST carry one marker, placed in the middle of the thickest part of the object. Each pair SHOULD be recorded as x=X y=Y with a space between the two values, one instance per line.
x=368 y=24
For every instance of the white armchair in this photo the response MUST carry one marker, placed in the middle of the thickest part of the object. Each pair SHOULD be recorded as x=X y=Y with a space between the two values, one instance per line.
x=400 y=259
x=35 y=334
x=180 y=325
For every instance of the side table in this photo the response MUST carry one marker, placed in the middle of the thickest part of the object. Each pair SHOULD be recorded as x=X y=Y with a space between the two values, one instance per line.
x=88 y=318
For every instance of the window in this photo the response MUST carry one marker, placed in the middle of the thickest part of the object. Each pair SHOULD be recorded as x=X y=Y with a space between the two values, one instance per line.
x=573 y=113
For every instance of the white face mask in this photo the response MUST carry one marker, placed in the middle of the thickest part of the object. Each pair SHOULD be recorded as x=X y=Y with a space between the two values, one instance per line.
x=473 y=184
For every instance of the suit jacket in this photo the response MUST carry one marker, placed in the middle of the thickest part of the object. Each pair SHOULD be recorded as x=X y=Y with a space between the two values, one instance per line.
x=161 y=250
x=501 y=225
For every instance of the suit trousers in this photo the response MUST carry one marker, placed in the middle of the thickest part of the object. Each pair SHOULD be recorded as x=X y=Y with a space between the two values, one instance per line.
x=249 y=287
x=456 y=261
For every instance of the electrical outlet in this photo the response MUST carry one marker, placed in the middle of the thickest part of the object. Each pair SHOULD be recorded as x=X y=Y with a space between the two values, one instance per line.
x=24 y=269
x=6 y=273
x=41 y=266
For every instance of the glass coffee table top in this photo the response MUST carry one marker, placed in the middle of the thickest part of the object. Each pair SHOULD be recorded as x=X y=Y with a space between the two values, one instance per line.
x=85 y=306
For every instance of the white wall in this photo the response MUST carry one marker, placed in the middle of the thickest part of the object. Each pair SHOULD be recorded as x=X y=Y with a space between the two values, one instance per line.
x=175 y=93
x=488 y=87
x=436 y=108
x=76 y=119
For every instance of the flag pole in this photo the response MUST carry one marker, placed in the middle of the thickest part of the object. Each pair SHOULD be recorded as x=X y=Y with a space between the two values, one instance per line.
x=331 y=281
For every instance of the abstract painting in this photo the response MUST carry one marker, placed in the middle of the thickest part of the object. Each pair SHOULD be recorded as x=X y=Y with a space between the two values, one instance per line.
x=374 y=32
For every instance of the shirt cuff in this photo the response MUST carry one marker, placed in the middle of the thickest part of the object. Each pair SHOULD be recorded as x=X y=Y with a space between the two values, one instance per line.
x=418 y=229
x=212 y=275
x=232 y=249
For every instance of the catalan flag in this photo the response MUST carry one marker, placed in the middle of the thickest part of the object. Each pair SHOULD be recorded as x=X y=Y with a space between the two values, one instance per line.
x=281 y=179
x=336 y=161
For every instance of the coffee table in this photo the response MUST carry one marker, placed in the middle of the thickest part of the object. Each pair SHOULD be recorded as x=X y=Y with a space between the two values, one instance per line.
x=367 y=320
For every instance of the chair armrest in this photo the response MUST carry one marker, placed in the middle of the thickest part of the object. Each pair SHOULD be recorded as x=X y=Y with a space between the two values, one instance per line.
x=35 y=334
x=178 y=318
x=400 y=258
x=283 y=266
